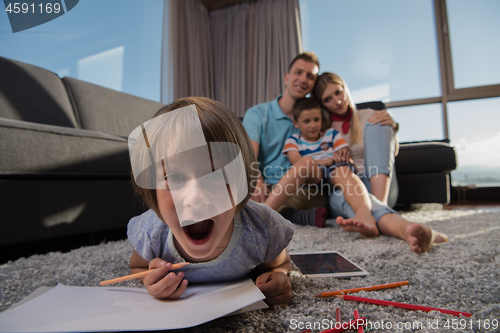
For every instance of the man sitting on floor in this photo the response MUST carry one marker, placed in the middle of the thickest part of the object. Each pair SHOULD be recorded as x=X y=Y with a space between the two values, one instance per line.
x=268 y=125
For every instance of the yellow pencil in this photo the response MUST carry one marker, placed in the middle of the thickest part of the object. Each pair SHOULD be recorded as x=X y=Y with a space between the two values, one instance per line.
x=356 y=290
x=139 y=275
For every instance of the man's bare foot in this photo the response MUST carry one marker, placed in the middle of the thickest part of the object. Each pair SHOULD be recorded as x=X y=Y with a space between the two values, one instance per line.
x=368 y=229
x=421 y=237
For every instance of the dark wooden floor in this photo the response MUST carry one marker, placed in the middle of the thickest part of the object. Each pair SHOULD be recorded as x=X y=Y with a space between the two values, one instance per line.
x=490 y=205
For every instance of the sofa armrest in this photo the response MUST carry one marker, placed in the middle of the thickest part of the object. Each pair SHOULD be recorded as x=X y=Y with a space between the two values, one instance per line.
x=35 y=149
x=425 y=156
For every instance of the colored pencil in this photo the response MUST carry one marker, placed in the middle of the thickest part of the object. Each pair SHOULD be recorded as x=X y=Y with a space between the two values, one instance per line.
x=139 y=275
x=356 y=290
x=402 y=305
x=338 y=315
x=349 y=326
x=356 y=317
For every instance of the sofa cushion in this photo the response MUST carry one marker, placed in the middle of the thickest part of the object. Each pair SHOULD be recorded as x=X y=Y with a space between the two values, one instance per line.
x=427 y=156
x=33 y=94
x=54 y=151
x=108 y=111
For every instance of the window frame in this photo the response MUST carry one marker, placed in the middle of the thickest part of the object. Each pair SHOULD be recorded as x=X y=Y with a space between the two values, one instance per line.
x=449 y=92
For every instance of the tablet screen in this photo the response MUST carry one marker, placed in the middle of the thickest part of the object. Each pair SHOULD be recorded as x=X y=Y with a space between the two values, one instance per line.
x=326 y=264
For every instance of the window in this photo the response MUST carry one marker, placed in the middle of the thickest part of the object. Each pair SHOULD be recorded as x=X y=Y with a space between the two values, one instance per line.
x=385 y=50
x=113 y=43
x=476 y=137
x=475 y=42
x=419 y=122
x=391 y=50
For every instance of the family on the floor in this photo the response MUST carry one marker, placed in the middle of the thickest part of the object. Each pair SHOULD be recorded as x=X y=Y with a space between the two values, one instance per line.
x=193 y=165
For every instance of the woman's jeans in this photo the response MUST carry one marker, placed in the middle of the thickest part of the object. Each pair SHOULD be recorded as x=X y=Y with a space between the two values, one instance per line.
x=380 y=145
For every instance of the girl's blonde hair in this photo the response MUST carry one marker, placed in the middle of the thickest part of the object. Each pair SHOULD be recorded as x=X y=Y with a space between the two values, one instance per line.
x=319 y=88
x=219 y=124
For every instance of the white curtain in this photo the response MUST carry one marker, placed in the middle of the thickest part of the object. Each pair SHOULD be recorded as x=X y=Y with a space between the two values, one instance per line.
x=237 y=55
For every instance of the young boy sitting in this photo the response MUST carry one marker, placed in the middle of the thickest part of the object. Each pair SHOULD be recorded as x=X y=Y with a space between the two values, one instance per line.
x=327 y=149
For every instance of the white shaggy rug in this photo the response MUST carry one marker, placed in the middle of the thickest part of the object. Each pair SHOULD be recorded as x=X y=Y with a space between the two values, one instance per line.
x=462 y=275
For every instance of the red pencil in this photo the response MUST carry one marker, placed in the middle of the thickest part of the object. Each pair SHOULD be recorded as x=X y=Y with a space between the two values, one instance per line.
x=338 y=315
x=401 y=305
x=356 y=317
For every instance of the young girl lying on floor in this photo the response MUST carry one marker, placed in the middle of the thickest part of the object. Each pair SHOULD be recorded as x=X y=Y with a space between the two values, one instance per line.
x=191 y=164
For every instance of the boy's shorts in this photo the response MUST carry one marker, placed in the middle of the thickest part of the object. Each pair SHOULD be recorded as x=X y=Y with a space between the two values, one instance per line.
x=313 y=195
x=304 y=198
x=326 y=173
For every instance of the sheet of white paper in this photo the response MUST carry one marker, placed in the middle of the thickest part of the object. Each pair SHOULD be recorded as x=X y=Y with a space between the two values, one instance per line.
x=92 y=309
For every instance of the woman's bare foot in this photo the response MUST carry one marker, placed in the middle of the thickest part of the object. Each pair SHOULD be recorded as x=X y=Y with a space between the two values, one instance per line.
x=363 y=223
x=420 y=237
x=439 y=237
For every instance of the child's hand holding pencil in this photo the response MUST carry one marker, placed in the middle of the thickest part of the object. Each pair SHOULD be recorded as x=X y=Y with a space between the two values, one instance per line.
x=157 y=280
x=162 y=284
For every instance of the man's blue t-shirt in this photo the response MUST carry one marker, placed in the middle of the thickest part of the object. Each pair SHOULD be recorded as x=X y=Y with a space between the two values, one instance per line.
x=267 y=125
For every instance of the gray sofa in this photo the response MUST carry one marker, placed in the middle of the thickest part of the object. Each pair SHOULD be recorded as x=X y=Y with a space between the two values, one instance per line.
x=64 y=165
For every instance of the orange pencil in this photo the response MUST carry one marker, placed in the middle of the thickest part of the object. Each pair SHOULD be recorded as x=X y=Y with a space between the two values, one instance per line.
x=356 y=290
x=139 y=275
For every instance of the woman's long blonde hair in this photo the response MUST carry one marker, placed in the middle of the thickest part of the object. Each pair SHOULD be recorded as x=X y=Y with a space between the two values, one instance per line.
x=319 y=88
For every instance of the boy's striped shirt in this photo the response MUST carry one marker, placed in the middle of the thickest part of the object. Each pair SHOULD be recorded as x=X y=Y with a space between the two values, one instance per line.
x=321 y=149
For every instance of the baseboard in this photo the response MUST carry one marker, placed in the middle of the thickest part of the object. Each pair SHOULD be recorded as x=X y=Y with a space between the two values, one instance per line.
x=463 y=194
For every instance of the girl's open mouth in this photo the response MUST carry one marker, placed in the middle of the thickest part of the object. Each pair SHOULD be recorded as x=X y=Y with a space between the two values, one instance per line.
x=199 y=232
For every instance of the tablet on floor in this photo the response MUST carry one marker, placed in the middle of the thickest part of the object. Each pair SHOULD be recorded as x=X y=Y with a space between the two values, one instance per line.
x=326 y=264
